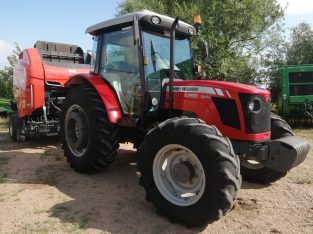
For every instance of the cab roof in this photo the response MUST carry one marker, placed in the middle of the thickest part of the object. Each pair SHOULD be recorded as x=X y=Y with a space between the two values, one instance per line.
x=143 y=16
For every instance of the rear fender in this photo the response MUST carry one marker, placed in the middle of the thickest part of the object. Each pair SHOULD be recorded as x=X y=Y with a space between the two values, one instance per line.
x=107 y=94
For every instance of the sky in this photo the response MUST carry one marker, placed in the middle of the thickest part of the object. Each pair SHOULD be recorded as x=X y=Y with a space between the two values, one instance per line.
x=26 y=21
x=65 y=21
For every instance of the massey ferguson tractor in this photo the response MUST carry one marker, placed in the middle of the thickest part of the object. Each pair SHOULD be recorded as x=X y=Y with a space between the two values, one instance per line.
x=195 y=138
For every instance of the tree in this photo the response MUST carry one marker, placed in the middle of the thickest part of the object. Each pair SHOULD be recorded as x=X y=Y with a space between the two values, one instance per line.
x=6 y=74
x=235 y=30
x=300 y=48
x=269 y=61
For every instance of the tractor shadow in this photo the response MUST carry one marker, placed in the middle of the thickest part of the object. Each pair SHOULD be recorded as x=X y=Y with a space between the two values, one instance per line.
x=7 y=144
x=111 y=201
x=248 y=185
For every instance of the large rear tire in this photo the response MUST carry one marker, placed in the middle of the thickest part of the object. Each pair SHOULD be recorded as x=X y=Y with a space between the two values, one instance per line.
x=89 y=140
x=189 y=171
x=255 y=172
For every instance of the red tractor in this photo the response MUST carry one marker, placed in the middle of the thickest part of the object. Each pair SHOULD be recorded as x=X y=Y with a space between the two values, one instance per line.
x=194 y=137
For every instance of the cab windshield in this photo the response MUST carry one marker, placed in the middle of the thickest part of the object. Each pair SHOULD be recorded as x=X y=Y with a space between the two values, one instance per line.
x=157 y=50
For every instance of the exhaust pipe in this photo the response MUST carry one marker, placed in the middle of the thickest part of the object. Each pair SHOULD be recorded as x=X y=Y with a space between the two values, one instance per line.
x=172 y=45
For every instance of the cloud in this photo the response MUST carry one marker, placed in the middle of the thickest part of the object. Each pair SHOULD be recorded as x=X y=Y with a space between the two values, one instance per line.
x=297 y=7
x=5 y=50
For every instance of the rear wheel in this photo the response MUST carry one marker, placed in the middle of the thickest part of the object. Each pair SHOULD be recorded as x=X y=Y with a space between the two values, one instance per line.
x=189 y=171
x=253 y=171
x=90 y=141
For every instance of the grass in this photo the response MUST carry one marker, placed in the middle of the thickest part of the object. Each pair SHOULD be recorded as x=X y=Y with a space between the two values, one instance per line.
x=4 y=124
x=2 y=197
x=3 y=176
x=39 y=227
x=60 y=209
x=16 y=193
x=46 y=154
x=76 y=221
x=158 y=229
x=304 y=180
x=4 y=160
x=49 y=152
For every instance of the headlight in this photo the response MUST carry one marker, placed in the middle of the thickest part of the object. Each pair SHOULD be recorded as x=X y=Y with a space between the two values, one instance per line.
x=191 y=31
x=155 y=20
x=255 y=105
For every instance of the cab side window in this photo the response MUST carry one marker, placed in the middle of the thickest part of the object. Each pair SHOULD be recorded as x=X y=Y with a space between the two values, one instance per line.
x=120 y=67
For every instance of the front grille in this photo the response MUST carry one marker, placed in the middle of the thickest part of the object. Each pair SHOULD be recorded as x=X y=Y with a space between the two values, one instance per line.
x=228 y=111
x=255 y=122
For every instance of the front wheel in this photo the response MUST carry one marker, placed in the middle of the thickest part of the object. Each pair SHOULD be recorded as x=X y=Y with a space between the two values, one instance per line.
x=256 y=172
x=189 y=171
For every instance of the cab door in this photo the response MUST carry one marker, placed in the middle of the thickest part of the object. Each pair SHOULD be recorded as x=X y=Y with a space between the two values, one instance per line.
x=119 y=65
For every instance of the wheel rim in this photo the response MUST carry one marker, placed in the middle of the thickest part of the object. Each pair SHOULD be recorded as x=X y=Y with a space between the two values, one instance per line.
x=178 y=175
x=250 y=163
x=76 y=130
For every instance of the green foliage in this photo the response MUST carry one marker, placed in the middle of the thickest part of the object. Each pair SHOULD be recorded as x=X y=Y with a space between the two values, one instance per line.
x=6 y=74
x=300 y=49
x=5 y=105
x=269 y=62
x=235 y=31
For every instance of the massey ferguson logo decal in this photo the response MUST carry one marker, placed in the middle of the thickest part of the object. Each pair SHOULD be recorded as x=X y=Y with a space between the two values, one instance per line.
x=191 y=89
x=200 y=89
x=185 y=89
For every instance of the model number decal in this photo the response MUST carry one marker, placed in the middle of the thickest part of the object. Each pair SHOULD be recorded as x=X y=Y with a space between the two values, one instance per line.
x=191 y=95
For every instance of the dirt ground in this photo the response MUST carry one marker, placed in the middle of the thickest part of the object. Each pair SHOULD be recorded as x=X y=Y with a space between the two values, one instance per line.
x=40 y=193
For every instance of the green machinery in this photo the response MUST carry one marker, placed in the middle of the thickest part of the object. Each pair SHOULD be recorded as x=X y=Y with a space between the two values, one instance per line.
x=5 y=107
x=295 y=102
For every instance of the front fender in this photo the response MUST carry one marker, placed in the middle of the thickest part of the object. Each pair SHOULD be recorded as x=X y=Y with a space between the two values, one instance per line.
x=105 y=91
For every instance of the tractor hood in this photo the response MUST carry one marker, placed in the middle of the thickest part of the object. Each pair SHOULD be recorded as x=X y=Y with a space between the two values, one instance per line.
x=222 y=88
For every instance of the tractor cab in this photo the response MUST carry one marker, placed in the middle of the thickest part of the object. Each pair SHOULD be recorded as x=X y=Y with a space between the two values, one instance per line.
x=132 y=53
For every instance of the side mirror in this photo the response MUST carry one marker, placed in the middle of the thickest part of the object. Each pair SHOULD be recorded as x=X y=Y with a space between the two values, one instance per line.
x=204 y=50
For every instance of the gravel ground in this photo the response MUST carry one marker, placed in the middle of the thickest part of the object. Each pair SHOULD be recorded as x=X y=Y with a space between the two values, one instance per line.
x=40 y=193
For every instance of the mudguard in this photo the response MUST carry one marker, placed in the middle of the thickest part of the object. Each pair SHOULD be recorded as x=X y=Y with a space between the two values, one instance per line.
x=107 y=94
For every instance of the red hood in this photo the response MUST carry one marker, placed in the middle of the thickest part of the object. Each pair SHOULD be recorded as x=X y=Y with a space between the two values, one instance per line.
x=230 y=86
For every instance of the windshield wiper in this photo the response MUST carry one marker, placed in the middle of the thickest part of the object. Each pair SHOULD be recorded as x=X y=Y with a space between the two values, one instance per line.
x=156 y=56
x=153 y=56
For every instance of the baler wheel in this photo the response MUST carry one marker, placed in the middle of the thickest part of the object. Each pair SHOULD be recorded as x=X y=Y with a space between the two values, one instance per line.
x=189 y=171
x=255 y=172
x=89 y=140
x=15 y=127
